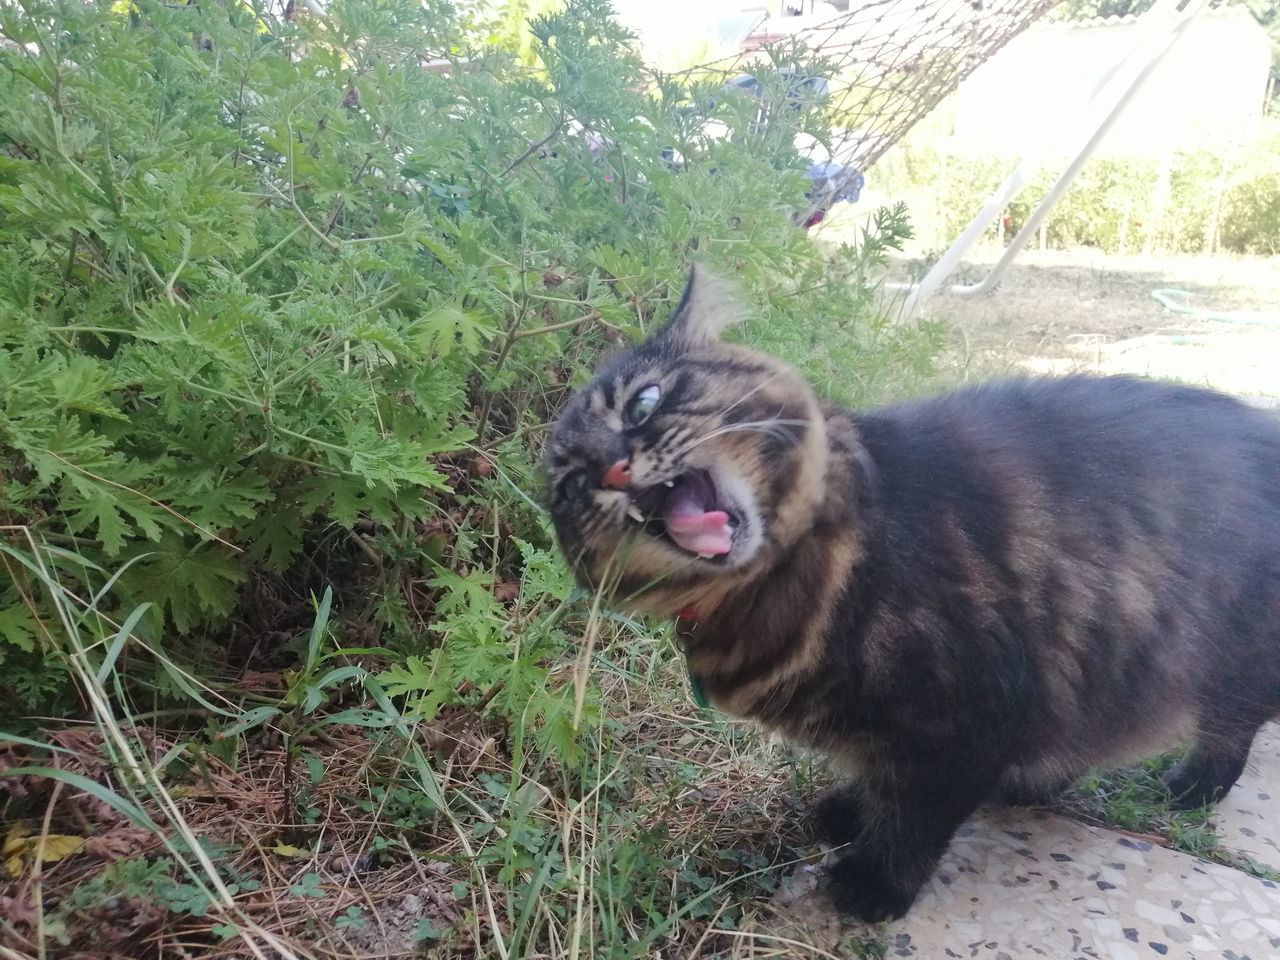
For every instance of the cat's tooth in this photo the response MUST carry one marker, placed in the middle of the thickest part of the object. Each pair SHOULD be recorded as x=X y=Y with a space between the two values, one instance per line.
x=634 y=513
x=668 y=483
x=705 y=556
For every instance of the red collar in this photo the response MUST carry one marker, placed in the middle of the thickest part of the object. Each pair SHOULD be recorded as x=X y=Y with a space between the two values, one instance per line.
x=688 y=613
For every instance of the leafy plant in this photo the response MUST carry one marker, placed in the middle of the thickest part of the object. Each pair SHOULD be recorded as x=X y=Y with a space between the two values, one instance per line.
x=1200 y=201
x=283 y=316
x=280 y=308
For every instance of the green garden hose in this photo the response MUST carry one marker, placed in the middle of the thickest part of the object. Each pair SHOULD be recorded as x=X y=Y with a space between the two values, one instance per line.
x=1165 y=296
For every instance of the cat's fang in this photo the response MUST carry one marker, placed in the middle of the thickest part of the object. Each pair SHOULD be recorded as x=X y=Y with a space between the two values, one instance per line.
x=634 y=513
x=668 y=483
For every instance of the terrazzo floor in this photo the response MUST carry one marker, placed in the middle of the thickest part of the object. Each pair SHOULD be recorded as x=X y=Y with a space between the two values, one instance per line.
x=1021 y=884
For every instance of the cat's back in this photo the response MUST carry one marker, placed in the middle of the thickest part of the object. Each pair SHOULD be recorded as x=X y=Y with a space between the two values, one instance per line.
x=1109 y=535
x=1080 y=438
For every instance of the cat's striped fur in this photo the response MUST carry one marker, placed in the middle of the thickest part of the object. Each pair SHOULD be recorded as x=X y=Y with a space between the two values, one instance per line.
x=968 y=598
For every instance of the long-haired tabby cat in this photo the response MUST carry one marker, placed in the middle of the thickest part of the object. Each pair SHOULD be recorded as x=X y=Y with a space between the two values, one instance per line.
x=970 y=598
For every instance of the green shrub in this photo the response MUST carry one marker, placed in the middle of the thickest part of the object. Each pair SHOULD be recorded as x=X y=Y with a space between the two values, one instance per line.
x=281 y=308
x=1211 y=199
x=1252 y=220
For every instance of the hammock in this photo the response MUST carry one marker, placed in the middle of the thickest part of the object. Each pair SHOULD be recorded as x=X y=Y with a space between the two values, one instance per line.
x=886 y=64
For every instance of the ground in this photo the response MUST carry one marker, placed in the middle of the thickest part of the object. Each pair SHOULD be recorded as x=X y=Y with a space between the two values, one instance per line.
x=1108 y=872
x=1059 y=311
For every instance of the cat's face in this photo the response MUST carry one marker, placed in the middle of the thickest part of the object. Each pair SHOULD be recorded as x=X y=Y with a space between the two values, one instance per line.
x=686 y=464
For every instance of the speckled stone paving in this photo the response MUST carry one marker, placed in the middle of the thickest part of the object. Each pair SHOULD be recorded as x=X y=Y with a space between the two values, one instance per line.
x=1248 y=819
x=1021 y=884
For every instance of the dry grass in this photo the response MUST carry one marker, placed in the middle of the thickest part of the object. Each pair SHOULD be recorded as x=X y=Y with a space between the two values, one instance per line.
x=1082 y=310
x=670 y=841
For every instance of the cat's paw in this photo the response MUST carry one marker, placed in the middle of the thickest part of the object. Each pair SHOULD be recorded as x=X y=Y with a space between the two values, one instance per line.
x=862 y=890
x=1190 y=789
x=837 y=817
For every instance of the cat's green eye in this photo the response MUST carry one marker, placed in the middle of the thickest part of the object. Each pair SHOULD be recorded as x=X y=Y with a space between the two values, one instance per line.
x=643 y=404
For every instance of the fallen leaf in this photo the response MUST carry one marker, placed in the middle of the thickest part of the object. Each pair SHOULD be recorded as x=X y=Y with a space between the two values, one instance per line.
x=287 y=851
x=259 y=680
x=116 y=843
x=19 y=845
x=14 y=838
x=21 y=912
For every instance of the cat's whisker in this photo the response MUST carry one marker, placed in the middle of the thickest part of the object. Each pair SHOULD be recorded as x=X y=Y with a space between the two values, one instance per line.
x=750 y=393
x=773 y=428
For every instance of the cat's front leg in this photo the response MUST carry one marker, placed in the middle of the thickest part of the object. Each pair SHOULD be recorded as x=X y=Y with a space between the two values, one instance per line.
x=909 y=818
x=837 y=815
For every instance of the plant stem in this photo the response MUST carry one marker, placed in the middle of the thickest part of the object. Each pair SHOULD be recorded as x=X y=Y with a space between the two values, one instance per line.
x=552 y=328
x=535 y=147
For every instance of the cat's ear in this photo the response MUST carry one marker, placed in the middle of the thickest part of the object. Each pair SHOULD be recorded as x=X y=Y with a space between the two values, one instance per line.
x=707 y=307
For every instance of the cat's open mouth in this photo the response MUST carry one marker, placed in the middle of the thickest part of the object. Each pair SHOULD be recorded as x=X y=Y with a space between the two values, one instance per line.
x=687 y=512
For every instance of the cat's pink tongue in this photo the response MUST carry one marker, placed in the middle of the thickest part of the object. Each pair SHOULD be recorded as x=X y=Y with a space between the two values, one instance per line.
x=699 y=531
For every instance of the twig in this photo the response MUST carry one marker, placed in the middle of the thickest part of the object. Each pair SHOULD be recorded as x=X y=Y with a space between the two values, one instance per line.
x=535 y=147
x=263 y=259
x=306 y=221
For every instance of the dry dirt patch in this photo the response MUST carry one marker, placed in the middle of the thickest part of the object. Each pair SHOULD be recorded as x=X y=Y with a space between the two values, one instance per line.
x=1084 y=310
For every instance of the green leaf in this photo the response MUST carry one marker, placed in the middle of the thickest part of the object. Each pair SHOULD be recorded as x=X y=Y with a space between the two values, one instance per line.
x=426 y=930
x=118 y=641
x=274 y=537
x=545 y=573
x=101 y=511
x=415 y=675
x=82 y=384
x=191 y=583
x=471 y=594
x=369 y=719
x=318 y=627
x=352 y=919
x=448 y=326
x=28 y=742
x=308 y=885
x=248 y=721
x=316 y=690
x=18 y=627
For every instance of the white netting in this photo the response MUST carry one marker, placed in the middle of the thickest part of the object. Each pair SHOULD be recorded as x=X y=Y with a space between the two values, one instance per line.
x=886 y=63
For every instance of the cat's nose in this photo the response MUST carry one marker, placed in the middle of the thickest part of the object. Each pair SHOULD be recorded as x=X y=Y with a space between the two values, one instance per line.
x=618 y=477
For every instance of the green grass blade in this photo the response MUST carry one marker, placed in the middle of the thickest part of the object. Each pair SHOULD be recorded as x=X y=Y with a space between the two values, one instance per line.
x=118 y=641
x=92 y=787
x=248 y=720
x=27 y=742
x=318 y=628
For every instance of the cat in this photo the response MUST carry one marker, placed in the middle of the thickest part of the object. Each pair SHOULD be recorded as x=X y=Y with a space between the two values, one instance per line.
x=966 y=599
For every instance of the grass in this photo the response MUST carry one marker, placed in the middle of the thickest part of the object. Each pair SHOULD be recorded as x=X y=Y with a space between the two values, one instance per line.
x=249 y=826
x=307 y=814
x=1134 y=800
